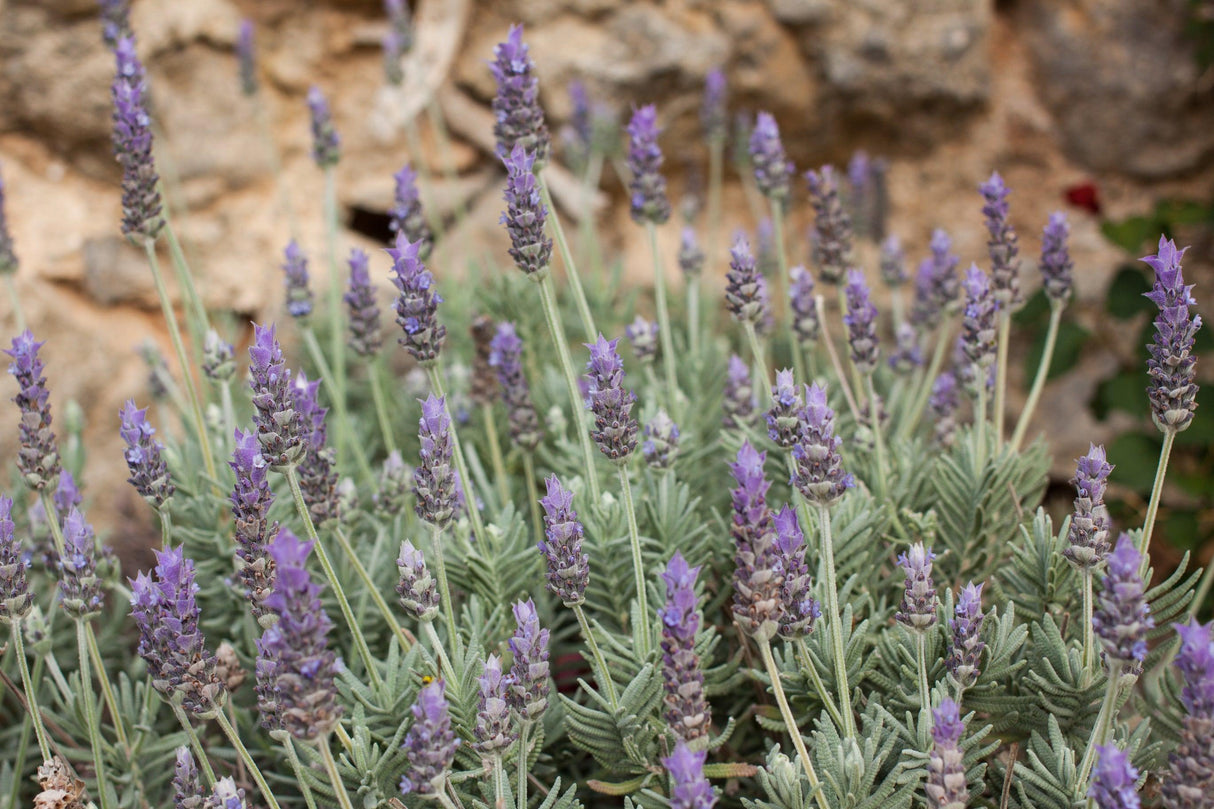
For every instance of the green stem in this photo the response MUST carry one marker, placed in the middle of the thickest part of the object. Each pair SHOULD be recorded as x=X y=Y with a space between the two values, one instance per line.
x=196 y=319
x=18 y=764
x=345 y=427
x=444 y=663
x=777 y=223
x=495 y=453
x=604 y=676
x=31 y=695
x=1148 y=525
x=339 y=788
x=874 y=411
x=835 y=616
x=1043 y=372
x=693 y=316
x=457 y=452
x=638 y=561
x=522 y=765
x=1100 y=731
x=794 y=732
x=716 y=173
x=1005 y=336
x=380 y=604
x=1089 y=641
x=557 y=331
x=444 y=592
x=243 y=752
x=807 y=663
x=53 y=520
x=664 y=335
x=15 y=299
x=200 y=753
x=533 y=495
x=107 y=690
x=170 y=318
x=336 y=337
x=756 y=350
x=381 y=404
x=267 y=135
x=90 y=716
x=925 y=388
x=229 y=412
x=289 y=745
x=571 y=273
x=829 y=343
x=925 y=699
x=360 y=642
x=499 y=786
x=980 y=373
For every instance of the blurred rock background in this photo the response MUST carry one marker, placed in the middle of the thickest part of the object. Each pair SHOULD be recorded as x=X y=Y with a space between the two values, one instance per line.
x=1102 y=108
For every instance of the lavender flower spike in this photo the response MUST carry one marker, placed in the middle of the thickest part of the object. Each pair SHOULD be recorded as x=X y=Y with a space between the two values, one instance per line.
x=568 y=566
x=417 y=302
x=643 y=334
x=494 y=731
x=218 y=358
x=529 y=673
x=1088 y=536
x=784 y=417
x=417 y=589
x=801 y=609
x=614 y=430
x=1189 y=780
x=647 y=189
x=15 y=597
x=365 y=337
x=691 y=257
x=937 y=289
x=893 y=262
x=144 y=458
x=661 y=444
x=965 y=650
x=978 y=326
x=1171 y=367
x=773 y=169
x=226 y=795
x=687 y=711
x=295 y=277
x=712 y=111
x=8 y=256
x=506 y=356
x=279 y=428
x=917 y=611
x=79 y=585
x=832 y=226
x=434 y=479
x=246 y=56
x=805 y=324
x=37 y=454
x=1056 y=265
x=743 y=292
x=406 y=215
x=907 y=356
x=316 y=470
x=525 y=215
x=819 y=475
x=1114 y=782
x=295 y=667
x=1003 y=244
x=326 y=145
x=691 y=789
x=170 y=639
x=251 y=501
x=946 y=786
x=115 y=21
x=132 y=137
x=187 y=787
x=757 y=606
x=430 y=743
x=943 y=402
x=516 y=106
x=861 y=321
x=739 y=400
x=1122 y=616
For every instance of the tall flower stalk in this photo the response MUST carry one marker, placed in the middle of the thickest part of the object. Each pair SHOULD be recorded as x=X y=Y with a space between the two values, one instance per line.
x=1088 y=536
x=1003 y=247
x=715 y=124
x=773 y=172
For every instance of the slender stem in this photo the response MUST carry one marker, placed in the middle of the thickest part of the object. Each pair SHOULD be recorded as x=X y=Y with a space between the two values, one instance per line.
x=925 y=388
x=444 y=592
x=495 y=453
x=980 y=374
x=826 y=340
x=499 y=786
x=267 y=135
x=638 y=561
x=381 y=405
x=716 y=172
x=31 y=695
x=170 y=318
x=335 y=308
x=1005 y=336
x=1148 y=525
x=756 y=350
x=835 y=616
x=794 y=732
x=90 y=716
x=1043 y=372
x=659 y=294
x=925 y=699
x=807 y=663
x=444 y=663
x=289 y=745
x=229 y=412
x=196 y=319
x=18 y=764
x=243 y=752
x=1089 y=640
x=557 y=331
x=588 y=249
x=380 y=604
x=457 y=452
x=345 y=427
x=339 y=788
x=571 y=274
x=200 y=753
x=15 y=299
x=604 y=676
x=777 y=221
x=360 y=642
x=874 y=412
x=1100 y=731
x=533 y=495
x=897 y=305
x=522 y=765
x=693 y=315
x=107 y=691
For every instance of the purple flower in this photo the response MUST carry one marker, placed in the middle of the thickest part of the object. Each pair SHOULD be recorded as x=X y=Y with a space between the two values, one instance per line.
x=417 y=589
x=252 y=528
x=661 y=444
x=937 y=289
x=784 y=417
x=946 y=785
x=434 y=479
x=757 y=578
x=187 y=787
x=801 y=609
x=1002 y=244
x=743 y=294
x=861 y=321
x=1195 y=660
x=8 y=256
x=525 y=214
x=907 y=355
x=917 y=612
x=170 y=639
x=15 y=597
x=132 y=137
x=568 y=565
x=647 y=189
x=691 y=257
x=1056 y=265
x=893 y=262
x=394 y=51
x=246 y=56
x=316 y=470
x=819 y=474
x=279 y=427
x=965 y=650
x=417 y=303
x=395 y=481
x=805 y=324
x=1088 y=536
x=218 y=358
x=690 y=788
x=326 y=145
x=614 y=430
x=712 y=110
x=400 y=22
x=494 y=731
x=143 y=454
x=365 y=337
x=1122 y=616
x=1189 y=779
x=295 y=277
x=37 y=455
x=643 y=334
x=430 y=743
x=115 y=21
x=226 y=795
x=295 y=667
x=687 y=711
x=79 y=586
x=978 y=325
x=406 y=215
x=516 y=106
x=506 y=356
x=832 y=226
x=1172 y=364
x=580 y=137
x=1114 y=780
x=773 y=169
x=739 y=400
x=529 y=674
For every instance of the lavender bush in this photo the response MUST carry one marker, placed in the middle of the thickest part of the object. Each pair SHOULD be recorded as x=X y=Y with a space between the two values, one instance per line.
x=818 y=577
